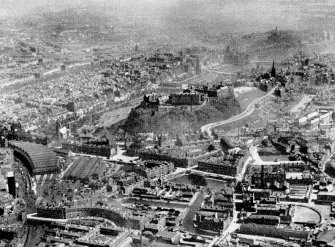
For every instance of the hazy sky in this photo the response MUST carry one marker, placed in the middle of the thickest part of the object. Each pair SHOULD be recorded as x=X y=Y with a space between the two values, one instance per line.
x=184 y=15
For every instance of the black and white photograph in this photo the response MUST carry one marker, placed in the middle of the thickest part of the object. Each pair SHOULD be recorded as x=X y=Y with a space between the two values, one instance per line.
x=167 y=123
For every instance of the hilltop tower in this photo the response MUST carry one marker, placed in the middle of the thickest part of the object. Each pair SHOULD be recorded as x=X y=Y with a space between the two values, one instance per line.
x=275 y=32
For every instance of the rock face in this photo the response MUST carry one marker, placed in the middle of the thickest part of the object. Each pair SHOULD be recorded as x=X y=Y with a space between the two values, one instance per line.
x=177 y=119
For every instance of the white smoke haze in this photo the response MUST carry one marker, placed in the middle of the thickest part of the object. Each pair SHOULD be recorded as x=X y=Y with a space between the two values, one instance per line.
x=187 y=19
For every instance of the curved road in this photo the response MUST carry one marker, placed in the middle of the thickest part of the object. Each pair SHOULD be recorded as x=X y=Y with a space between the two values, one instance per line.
x=207 y=128
x=251 y=107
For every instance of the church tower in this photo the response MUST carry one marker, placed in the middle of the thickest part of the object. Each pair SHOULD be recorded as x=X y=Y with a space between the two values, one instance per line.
x=273 y=70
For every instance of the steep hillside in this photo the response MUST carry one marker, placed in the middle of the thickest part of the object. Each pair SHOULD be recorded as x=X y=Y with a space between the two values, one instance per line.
x=149 y=119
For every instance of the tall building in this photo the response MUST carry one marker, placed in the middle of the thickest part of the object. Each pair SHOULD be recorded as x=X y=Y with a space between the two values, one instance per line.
x=273 y=70
x=197 y=67
x=58 y=127
x=11 y=185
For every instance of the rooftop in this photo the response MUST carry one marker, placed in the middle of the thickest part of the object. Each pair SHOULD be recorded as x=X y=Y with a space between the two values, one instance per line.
x=41 y=158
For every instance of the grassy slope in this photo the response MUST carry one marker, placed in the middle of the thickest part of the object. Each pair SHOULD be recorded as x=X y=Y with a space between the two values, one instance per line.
x=180 y=120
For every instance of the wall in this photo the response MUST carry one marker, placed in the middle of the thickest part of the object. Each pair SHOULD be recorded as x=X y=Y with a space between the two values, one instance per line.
x=186 y=99
x=282 y=233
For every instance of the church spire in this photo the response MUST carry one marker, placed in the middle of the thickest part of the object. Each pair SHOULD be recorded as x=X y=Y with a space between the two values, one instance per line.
x=273 y=69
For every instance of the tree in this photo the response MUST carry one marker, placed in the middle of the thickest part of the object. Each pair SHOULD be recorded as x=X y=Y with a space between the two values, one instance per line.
x=330 y=168
x=159 y=140
x=211 y=148
x=214 y=134
x=198 y=180
x=124 y=133
x=178 y=142
x=202 y=137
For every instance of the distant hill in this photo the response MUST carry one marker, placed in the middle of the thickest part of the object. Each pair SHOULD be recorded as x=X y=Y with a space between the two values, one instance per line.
x=18 y=49
x=273 y=44
x=146 y=118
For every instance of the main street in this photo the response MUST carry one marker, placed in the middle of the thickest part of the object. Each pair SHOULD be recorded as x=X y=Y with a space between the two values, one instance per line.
x=207 y=128
x=254 y=157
